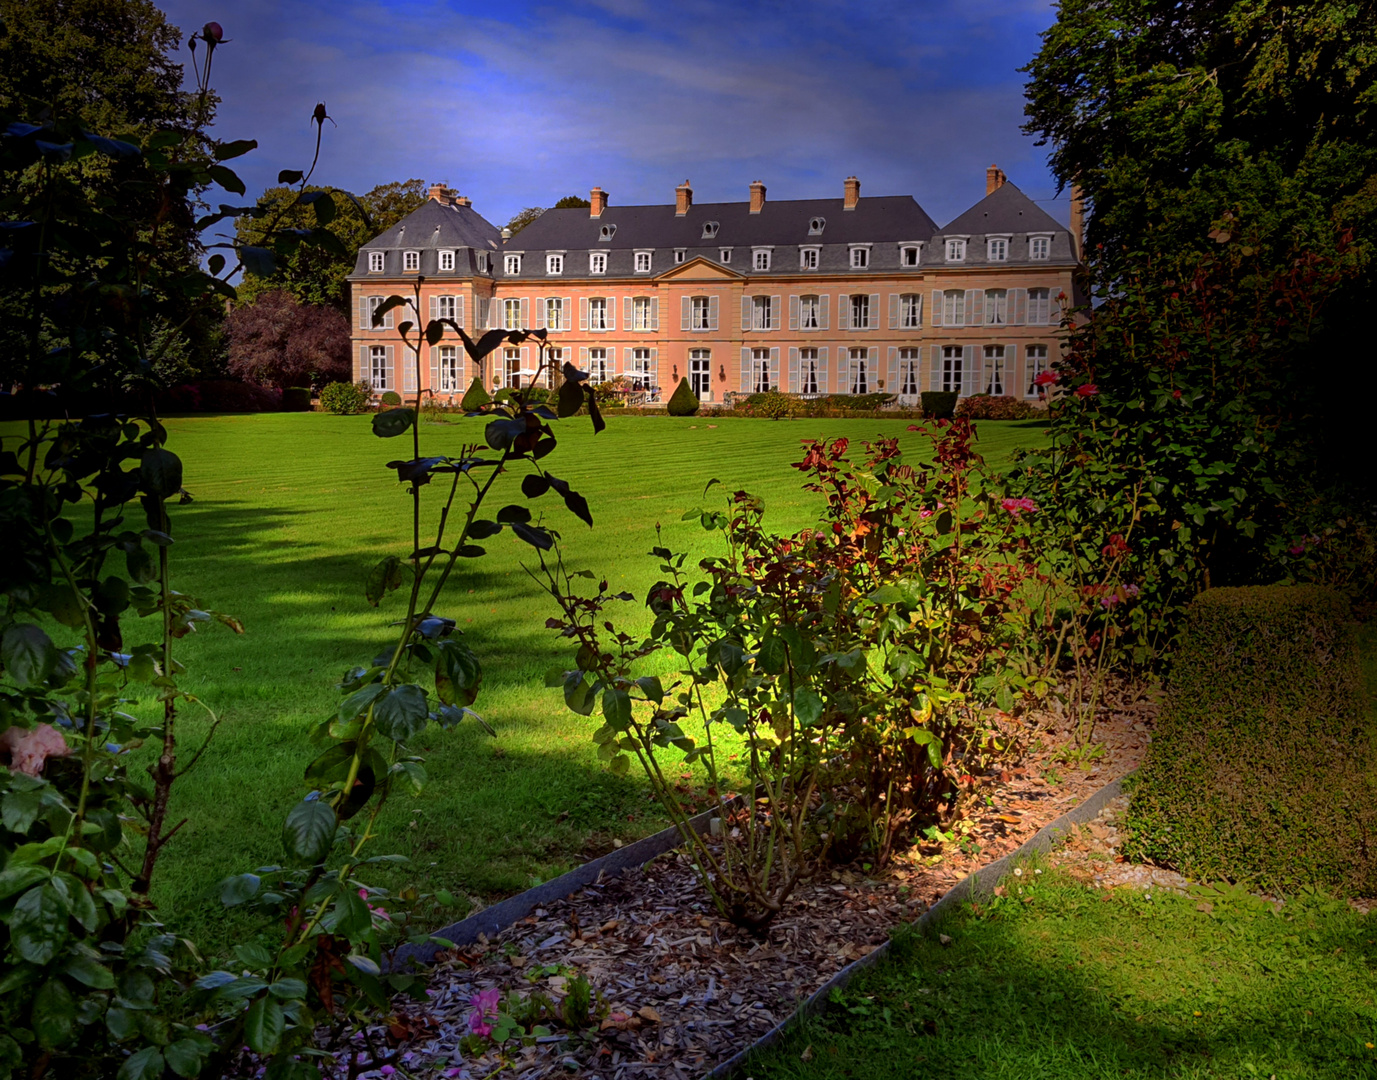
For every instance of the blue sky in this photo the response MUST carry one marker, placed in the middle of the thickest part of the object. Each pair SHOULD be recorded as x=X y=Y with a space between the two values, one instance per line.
x=517 y=104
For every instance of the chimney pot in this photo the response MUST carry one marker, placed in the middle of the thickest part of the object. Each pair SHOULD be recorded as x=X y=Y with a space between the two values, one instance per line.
x=598 y=198
x=683 y=199
x=438 y=192
x=462 y=200
x=757 y=197
x=852 y=190
x=994 y=179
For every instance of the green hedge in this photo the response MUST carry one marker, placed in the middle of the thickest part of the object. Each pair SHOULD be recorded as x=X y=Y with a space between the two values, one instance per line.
x=1260 y=766
x=938 y=404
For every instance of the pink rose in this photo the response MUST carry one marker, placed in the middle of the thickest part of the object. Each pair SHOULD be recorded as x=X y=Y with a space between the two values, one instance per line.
x=1087 y=390
x=30 y=748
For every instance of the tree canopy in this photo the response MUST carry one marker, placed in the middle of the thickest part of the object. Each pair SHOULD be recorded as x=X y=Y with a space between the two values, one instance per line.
x=278 y=342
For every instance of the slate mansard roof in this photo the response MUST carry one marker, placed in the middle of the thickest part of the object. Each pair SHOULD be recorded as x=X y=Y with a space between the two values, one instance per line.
x=433 y=227
x=1006 y=211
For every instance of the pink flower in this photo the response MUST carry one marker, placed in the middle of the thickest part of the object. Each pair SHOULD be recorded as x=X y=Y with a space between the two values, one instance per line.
x=1019 y=506
x=214 y=32
x=30 y=749
x=1176 y=394
x=1109 y=600
x=1297 y=549
x=1087 y=390
x=387 y=1070
x=1045 y=378
x=484 y=1004
x=1131 y=590
x=924 y=513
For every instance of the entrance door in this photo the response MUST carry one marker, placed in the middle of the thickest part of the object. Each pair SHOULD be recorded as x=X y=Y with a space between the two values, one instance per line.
x=700 y=377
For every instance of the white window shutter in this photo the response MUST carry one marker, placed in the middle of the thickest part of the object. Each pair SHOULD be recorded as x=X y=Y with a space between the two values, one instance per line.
x=874 y=365
x=935 y=374
x=936 y=307
x=434 y=308
x=611 y=313
x=497 y=320
x=363 y=372
x=874 y=323
x=894 y=311
x=525 y=313
x=775 y=308
x=583 y=359
x=410 y=362
x=712 y=313
x=626 y=360
x=794 y=382
x=390 y=368
x=459 y=311
x=540 y=313
x=843 y=312
x=745 y=313
x=793 y=312
x=892 y=375
x=746 y=386
x=1018 y=307
x=655 y=313
x=434 y=368
x=685 y=311
x=970 y=377
x=363 y=313
x=583 y=313
x=387 y=320
x=824 y=316
x=774 y=367
x=975 y=301
x=1012 y=374
x=823 y=386
x=654 y=363
x=626 y=312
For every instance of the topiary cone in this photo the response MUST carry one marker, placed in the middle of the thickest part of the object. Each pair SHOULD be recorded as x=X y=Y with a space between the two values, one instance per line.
x=683 y=402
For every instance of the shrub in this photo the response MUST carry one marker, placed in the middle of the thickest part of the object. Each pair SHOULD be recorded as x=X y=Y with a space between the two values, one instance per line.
x=774 y=406
x=345 y=399
x=1259 y=769
x=296 y=399
x=988 y=407
x=391 y=398
x=683 y=402
x=219 y=395
x=276 y=341
x=938 y=404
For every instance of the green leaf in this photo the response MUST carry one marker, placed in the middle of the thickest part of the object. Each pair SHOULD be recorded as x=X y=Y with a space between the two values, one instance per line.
x=401 y=712
x=537 y=538
x=85 y=967
x=309 y=831
x=239 y=889
x=227 y=179
x=18 y=878
x=28 y=654
x=357 y=703
x=54 y=1014
x=120 y=1023
x=481 y=529
x=348 y=916
x=19 y=810
x=138 y=560
x=772 y=658
x=616 y=707
x=160 y=473
x=288 y=989
x=38 y=924
x=187 y=1057
x=578 y=694
x=650 y=684
x=621 y=765
x=386 y=576
x=808 y=706
x=258 y=261
x=513 y=514
x=885 y=594
x=414 y=772
x=392 y=422
x=364 y=964
x=11 y=1057
x=237 y=148
x=502 y=433
x=263 y=1025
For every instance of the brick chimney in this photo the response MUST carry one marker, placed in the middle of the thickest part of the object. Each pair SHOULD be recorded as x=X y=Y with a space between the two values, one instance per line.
x=462 y=200
x=852 y=189
x=598 y=198
x=994 y=179
x=683 y=199
x=757 y=197
x=1077 y=220
x=439 y=193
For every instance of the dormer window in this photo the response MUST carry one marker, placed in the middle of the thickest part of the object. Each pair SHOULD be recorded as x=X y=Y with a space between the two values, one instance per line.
x=956 y=249
x=860 y=256
x=446 y=260
x=997 y=249
x=554 y=264
x=760 y=259
x=411 y=261
x=597 y=262
x=482 y=262
x=680 y=254
x=808 y=258
x=709 y=229
x=605 y=233
x=375 y=262
x=816 y=226
x=908 y=256
x=1039 y=247
x=642 y=262
x=726 y=255
x=512 y=264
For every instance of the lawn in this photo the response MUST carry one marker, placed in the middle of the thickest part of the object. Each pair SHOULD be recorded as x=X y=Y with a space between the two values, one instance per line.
x=291 y=510
x=1066 y=982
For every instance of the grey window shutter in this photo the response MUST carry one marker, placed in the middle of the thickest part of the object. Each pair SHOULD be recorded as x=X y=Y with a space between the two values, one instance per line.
x=410 y=362
x=874 y=313
x=363 y=313
x=746 y=386
x=892 y=375
x=970 y=377
x=793 y=312
x=627 y=321
x=774 y=368
x=459 y=311
x=894 y=311
x=540 y=313
x=795 y=384
x=824 y=316
x=1012 y=374
x=434 y=308
x=843 y=312
x=775 y=308
x=387 y=320
x=363 y=373
x=936 y=307
x=526 y=358
x=823 y=386
x=1018 y=307
x=390 y=370
x=712 y=313
x=583 y=313
x=626 y=360
x=611 y=313
x=525 y=313
x=434 y=369
x=655 y=363
x=874 y=365
x=655 y=313
x=935 y=375
x=566 y=312
x=583 y=359
x=685 y=311
x=745 y=313
x=975 y=303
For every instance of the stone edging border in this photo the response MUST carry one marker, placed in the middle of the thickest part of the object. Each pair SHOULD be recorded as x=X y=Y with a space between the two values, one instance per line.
x=978 y=883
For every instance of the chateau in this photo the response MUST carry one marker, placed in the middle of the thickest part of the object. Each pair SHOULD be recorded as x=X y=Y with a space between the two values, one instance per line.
x=810 y=296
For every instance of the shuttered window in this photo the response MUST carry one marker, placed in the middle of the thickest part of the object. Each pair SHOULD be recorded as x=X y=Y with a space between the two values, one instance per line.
x=411 y=261
x=597 y=313
x=808 y=258
x=954 y=307
x=952 y=368
x=375 y=262
x=450 y=375
x=554 y=314
x=597 y=366
x=1039 y=307
x=597 y=262
x=908 y=372
x=446 y=260
x=860 y=311
x=808 y=371
x=760 y=371
x=379 y=370
x=554 y=264
x=700 y=320
x=858 y=372
x=996 y=307
x=1035 y=363
x=910 y=311
x=997 y=249
x=1039 y=247
x=994 y=370
x=956 y=251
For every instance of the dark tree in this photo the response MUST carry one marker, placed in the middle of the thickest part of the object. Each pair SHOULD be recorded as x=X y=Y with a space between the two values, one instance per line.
x=278 y=342
x=572 y=202
x=522 y=218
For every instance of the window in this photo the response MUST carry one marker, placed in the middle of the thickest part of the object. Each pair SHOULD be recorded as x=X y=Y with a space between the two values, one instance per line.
x=858 y=371
x=597 y=313
x=378 y=368
x=446 y=307
x=375 y=302
x=996 y=307
x=597 y=366
x=954 y=307
x=411 y=261
x=709 y=229
x=700 y=373
x=679 y=255
x=482 y=262
x=640 y=314
x=808 y=258
x=760 y=314
x=997 y=249
x=1039 y=247
x=449 y=370
x=860 y=258
x=554 y=314
x=511 y=314
x=597 y=262
x=726 y=255
x=860 y=311
x=375 y=262
x=994 y=370
x=760 y=371
x=510 y=372
x=908 y=372
x=761 y=260
x=642 y=375
x=908 y=255
x=512 y=264
x=808 y=371
x=554 y=360
x=956 y=250
x=606 y=232
x=554 y=264
x=642 y=262
x=951 y=368
x=446 y=260
x=1036 y=364
x=1039 y=307
x=816 y=226
x=910 y=311
x=701 y=318
x=808 y=313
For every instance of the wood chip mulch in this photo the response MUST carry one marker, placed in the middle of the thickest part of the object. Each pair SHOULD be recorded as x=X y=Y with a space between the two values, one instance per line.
x=686 y=990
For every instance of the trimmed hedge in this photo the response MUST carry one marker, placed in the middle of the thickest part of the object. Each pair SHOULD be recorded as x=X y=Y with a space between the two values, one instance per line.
x=296 y=399
x=683 y=402
x=344 y=398
x=938 y=404
x=1260 y=766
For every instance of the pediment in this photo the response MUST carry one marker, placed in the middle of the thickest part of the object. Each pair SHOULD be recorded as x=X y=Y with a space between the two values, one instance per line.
x=699 y=269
